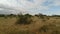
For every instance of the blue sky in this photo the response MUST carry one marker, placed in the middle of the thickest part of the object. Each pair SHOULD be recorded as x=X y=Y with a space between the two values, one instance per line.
x=47 y=7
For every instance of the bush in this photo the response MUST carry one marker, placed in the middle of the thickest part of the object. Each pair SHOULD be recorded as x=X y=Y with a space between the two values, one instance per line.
x=44 y=28
x=28 y=15
x=55 y=15
x=11 y=15
x=48 y=28
x=41 y=16
x=24 y=19
x=2 y=15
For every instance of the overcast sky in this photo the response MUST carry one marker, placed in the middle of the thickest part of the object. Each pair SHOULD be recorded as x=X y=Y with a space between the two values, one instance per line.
x=30 y=6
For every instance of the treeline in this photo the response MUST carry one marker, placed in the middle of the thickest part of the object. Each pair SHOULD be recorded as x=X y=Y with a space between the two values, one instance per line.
x=3 y=15
x=19 y=15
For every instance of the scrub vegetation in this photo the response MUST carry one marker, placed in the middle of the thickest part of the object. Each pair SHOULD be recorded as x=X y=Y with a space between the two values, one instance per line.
x=29 y=24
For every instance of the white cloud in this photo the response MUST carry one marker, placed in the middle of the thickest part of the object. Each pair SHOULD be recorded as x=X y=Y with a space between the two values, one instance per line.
x=21 y=5
x=54 y=3
x=57 y=2
x=25 y=5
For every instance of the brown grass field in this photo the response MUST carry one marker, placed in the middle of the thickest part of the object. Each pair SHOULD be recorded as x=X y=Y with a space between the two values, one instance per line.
x=48 y=25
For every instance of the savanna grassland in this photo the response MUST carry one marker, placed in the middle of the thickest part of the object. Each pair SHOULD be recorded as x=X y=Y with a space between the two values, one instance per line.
x=28 y=24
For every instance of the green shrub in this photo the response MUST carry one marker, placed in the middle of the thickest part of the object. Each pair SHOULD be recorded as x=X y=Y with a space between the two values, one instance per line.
x=2 y=15
x=24 y=19
x=41 y=16
x=28 y=15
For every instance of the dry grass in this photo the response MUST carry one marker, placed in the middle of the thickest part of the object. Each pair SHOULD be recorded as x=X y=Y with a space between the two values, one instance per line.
x=52 y=25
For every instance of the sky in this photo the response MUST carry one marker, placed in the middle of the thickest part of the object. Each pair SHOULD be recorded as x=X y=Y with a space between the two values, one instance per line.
x=48 y=7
